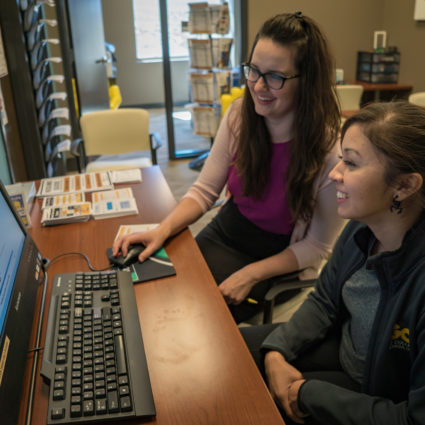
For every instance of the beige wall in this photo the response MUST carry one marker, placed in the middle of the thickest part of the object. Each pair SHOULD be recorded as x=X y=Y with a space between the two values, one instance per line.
x=348 y=24
x=409 y=36
x=349 y=27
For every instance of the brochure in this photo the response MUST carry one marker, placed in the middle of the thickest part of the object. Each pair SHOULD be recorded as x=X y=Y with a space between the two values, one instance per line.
x=133 y=175
x=64 y=214
x=71 y=208
x=62 y=200
x=113 y=203
x=88 y=182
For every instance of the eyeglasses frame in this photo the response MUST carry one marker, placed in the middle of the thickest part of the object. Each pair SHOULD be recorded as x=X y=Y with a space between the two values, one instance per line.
x=263 y=75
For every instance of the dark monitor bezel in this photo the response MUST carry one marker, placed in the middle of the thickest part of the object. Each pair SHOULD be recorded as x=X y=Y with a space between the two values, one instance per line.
x=15 y=337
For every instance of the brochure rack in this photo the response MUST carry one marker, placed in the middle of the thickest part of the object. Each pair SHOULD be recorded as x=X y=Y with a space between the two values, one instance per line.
x=210 y=75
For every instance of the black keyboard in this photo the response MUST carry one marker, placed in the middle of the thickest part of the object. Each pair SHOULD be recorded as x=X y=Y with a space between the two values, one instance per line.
x=93 y=355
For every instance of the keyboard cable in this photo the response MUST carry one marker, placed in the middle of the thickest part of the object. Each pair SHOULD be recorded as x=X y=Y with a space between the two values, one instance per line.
x=49 y=262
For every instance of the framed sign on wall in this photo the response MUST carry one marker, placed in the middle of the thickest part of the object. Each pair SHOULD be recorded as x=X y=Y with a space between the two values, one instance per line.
x=419 y=14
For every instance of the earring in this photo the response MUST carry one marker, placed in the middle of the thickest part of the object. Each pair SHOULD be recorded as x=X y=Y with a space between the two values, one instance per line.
x=396 y=205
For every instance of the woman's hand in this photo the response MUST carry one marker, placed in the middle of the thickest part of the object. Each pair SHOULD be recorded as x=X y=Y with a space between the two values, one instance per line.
x=237 y=286
x=284 y=381
x=293 y=390
x=152 y=240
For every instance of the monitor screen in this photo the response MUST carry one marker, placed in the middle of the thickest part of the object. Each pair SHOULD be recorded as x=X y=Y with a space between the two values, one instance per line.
x=20 y=266
x=11 y=246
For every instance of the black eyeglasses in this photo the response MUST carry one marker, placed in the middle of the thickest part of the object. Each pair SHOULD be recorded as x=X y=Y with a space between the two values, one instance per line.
x=271 y=79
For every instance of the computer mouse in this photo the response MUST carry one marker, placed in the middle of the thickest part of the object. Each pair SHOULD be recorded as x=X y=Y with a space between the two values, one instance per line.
x=131 y=257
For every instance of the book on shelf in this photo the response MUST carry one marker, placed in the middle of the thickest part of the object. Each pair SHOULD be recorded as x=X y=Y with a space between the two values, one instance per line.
x=88 y=182
x=72 y=208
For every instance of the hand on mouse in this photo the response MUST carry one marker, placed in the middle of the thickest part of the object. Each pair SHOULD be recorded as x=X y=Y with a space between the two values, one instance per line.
x=152 y=240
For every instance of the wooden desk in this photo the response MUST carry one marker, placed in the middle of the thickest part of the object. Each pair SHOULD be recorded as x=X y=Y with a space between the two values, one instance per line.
x=200 y=369
x=379 y=90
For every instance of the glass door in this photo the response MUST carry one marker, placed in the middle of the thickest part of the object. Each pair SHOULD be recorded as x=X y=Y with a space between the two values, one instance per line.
x=189 y=122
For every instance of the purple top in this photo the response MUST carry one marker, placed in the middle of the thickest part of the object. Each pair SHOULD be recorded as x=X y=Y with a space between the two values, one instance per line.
x=270 y=212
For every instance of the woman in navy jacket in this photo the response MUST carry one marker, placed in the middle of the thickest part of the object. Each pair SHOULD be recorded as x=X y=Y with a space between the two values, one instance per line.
x=354 y=352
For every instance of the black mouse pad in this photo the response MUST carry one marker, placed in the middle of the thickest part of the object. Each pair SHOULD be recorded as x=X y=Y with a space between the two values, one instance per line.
x=155 y=267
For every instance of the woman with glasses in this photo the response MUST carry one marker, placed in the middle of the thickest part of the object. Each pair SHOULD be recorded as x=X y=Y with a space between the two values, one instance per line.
x=273 y=150
x=354 y=352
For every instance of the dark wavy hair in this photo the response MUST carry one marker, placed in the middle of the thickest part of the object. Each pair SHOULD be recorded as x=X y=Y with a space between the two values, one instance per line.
x=397 y=130
x=317 y=116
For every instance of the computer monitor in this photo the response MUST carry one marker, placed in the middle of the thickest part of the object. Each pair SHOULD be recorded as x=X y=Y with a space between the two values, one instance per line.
x=20 y=267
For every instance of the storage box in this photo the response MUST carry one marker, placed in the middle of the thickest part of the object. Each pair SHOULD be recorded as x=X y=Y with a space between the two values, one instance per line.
x=378 y=68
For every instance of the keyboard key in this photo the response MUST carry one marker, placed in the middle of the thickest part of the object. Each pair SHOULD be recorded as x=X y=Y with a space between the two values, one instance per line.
x=88 y=407
x=100 y=406
x=125 y=404
x=58 y=413
x=100 y=393
x=124 y=390
x=76 y=399
x=123 y=380
x=58 y=394
x=113 y=405
x=120 y=355
x=76 y=411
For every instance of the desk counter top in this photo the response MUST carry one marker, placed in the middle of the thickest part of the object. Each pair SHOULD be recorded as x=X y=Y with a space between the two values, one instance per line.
x=201 y=371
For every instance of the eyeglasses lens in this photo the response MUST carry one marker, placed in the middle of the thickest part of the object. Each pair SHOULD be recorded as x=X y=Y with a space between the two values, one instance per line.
x=273 y=81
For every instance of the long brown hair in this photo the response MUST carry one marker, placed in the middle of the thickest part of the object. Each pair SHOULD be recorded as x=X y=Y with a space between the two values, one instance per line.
x=317 y=117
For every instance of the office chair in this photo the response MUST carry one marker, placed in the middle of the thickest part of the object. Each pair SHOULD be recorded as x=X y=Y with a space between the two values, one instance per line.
x=349 y=96
x=418 y=98
x=281 y=285
x=116 y=139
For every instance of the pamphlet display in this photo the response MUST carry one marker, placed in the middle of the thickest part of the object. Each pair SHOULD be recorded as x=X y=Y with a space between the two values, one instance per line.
x=88 y=182
x=209 y=53
x=104 y=204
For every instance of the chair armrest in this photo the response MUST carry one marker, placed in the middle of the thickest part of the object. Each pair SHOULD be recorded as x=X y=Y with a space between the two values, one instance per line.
x=156 y=143
x=282 y=284
x=276 y=290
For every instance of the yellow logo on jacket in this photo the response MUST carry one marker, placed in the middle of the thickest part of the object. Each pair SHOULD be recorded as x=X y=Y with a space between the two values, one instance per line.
x=400 y=338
